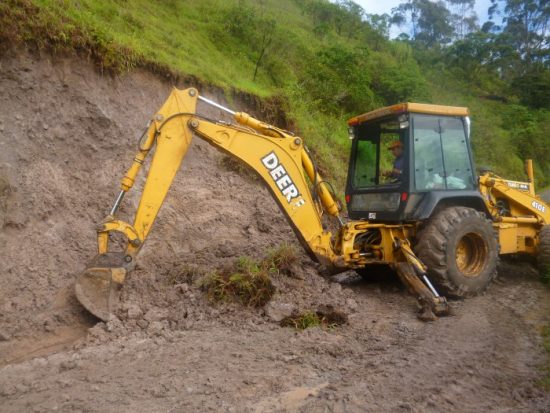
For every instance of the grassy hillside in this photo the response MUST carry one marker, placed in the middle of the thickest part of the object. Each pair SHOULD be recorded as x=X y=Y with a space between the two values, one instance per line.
x=318 y=59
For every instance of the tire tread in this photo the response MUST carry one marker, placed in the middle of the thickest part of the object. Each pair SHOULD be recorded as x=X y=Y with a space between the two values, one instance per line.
x=431 y=248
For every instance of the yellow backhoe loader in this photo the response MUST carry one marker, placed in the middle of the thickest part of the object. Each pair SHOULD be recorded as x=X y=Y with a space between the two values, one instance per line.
x=427 y=214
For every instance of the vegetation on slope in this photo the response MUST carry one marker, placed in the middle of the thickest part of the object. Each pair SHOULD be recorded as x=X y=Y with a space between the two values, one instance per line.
x=248 y=281
x=322 y=73
x=324 y=61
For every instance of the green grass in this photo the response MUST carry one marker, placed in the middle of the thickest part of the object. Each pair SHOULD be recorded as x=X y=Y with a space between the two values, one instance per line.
x=302 y=321
x=282 y=258
x=247 y=282
x=185 y=36
x=318 y=78
x=326 y=318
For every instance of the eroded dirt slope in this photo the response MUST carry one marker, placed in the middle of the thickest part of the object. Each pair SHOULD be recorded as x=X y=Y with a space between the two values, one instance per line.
x=66 y=136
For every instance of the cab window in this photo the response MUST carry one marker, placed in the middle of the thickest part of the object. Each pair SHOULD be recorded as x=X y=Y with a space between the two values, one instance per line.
x=372 y=160
x=441 y=155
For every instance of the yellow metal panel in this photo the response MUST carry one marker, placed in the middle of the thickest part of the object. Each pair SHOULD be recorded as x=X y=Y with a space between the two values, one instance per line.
x=507 y=238
x=517 y=238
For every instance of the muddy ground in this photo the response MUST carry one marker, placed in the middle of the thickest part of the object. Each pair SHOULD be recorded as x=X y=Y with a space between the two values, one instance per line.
x=66 y=136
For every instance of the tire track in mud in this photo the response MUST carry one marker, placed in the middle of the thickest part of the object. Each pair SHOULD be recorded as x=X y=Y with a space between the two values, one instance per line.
x=43 y=345
x=53 y=338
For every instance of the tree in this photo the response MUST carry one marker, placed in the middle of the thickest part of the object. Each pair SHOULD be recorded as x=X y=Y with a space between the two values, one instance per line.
x=267 y=29
x=472 y=54
x=430 y=21
x=345 y=17
x=407 y=12
x=526 y=27
x=533 y=86
x=434 y=23
x=522 y=44
x=380 y=23
x=339 y=80
x=464 y=18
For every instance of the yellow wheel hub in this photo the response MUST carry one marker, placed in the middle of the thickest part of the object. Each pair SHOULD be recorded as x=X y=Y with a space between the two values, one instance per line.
x=471 y=254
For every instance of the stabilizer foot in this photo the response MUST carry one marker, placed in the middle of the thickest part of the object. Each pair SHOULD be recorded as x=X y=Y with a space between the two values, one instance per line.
x=431 y=306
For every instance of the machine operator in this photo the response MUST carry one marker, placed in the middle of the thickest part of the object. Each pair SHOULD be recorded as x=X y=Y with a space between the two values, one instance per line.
x=396 y=149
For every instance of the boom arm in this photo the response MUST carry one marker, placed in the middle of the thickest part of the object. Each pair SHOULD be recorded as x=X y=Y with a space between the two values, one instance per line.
x=278 y=157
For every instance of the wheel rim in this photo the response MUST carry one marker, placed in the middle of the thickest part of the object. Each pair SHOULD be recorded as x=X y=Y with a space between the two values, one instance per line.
x=471 y=254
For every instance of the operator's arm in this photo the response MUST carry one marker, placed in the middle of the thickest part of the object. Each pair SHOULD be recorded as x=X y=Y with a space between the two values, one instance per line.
x=395 y=173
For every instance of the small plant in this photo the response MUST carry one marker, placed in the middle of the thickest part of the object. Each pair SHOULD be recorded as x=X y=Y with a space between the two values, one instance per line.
x=302 y=321
x=246 y=282
x=326 y=317
x=282 y=258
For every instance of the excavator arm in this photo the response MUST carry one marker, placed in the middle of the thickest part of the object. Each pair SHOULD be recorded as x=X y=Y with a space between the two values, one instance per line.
x=284 y=164
x=281 y=160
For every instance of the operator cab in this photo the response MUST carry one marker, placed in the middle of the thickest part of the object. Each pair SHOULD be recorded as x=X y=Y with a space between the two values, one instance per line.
x=406 y=159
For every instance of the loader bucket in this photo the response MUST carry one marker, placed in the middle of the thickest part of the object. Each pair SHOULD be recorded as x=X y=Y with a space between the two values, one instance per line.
x=98 y=287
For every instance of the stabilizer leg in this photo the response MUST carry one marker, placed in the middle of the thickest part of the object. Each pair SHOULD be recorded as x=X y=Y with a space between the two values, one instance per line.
x=431 y=305
x=413 y=274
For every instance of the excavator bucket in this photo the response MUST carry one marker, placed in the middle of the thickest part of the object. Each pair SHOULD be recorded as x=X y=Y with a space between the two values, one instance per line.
x=98 y=287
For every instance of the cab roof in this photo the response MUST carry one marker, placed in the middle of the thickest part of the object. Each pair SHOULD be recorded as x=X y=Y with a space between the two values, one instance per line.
x=409 y=107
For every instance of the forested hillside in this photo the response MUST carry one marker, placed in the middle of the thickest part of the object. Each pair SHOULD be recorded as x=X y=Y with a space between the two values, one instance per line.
x=326 y=61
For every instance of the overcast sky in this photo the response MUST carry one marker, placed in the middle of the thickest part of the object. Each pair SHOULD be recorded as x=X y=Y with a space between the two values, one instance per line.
x=380 y=7
x=385 y=6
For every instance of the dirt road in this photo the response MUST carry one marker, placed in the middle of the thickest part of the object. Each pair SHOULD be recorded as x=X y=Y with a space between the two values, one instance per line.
x=66 y=136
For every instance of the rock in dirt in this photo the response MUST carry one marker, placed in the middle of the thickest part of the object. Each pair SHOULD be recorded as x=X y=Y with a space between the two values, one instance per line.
x=352 y=304
x=4 y=336
x=156 y=314
x=113 y=324
x=155 y=328
x=142 y=324
x=278 y=311
x=134 y=311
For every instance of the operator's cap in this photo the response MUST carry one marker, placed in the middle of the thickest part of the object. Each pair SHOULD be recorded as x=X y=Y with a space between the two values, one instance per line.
x=395 y=144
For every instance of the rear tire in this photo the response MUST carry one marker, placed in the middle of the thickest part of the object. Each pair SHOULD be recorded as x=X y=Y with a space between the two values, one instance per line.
x=543 y=257
x=460 y=249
